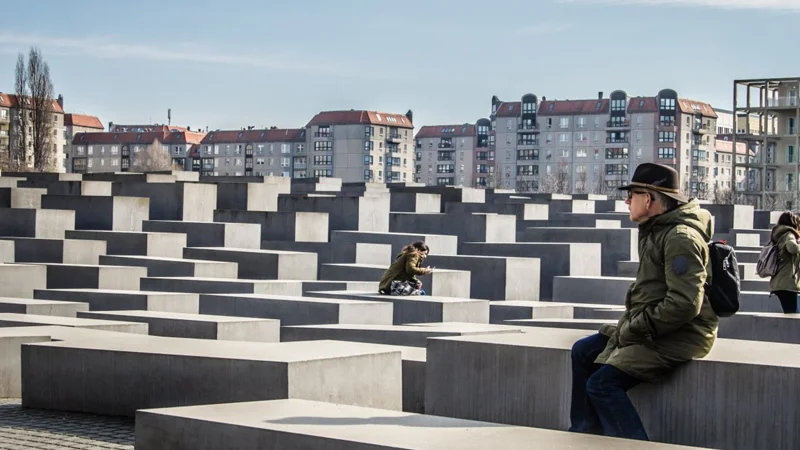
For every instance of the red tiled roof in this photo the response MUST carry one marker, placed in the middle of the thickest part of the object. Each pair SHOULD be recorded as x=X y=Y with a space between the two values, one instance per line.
x=80 y=120
x=242 y=136
x=436 y=131
x=643 y=105
x=724 y=146
x=355 y=117
x=571 y=107
x=137 y=138
x=11 y=101
x=509 y=109
x=688 y=107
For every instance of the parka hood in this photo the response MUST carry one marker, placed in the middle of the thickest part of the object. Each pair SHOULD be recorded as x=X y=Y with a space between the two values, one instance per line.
x=690 y=214
x=780 y=230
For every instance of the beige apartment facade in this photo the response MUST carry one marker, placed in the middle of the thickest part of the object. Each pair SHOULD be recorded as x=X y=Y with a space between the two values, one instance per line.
x=74 y=124
x=446 y=155
x=11 y=109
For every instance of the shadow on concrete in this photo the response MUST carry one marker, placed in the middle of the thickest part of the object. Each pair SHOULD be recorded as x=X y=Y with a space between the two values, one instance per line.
x=401 y=421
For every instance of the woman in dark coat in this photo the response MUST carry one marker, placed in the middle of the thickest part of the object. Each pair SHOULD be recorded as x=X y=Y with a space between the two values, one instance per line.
x=401 y=277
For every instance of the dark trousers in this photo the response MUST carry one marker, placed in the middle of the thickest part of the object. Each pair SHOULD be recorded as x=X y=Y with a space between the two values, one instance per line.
x=600 y=403
x=788 y=301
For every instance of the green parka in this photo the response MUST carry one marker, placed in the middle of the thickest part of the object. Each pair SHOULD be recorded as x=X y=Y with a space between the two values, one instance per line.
x=668 y=318
x=405 y=267
x=787 y=277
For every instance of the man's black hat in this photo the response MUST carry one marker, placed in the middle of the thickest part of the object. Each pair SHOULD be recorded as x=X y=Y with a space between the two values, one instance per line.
x=659 y=178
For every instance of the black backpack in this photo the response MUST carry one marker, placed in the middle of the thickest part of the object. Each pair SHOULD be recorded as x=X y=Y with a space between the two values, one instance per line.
x=723 y=291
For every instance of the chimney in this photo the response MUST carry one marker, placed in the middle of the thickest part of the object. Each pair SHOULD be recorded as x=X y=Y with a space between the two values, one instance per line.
x=410 y=116
x=61 y=101
x=600 y=95
x=544 y=99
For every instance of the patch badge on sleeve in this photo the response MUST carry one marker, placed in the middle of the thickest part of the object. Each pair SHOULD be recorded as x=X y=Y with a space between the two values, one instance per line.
x=679 y=265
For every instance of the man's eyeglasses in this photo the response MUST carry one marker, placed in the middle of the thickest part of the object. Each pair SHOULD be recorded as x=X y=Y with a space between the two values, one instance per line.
x=631 y=193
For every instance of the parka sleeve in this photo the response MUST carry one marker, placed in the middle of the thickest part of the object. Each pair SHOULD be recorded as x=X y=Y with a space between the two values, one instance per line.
x=412 y=265
x=789 y=242
x=685 y=262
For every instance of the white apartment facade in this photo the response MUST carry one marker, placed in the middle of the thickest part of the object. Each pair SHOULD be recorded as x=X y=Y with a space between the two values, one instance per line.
x=445 y=155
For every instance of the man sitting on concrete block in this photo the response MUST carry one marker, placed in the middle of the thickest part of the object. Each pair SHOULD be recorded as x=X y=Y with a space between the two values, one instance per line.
x=668 y=319
x=401 y=277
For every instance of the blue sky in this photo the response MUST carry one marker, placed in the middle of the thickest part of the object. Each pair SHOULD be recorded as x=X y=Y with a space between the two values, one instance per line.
x=234 y=63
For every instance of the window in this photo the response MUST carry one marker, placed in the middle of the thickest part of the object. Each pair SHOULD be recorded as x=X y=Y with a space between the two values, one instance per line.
x=323 y=131
x=323 y=160
x=616 y=153
x=668 y=103
x=323 y=146
x=528 y=170
x=616 y=169
x=666 y=153
x=322 y=173
x=445 y=168
x=666 y=136
x=367 y=160
x=369 y=131
x=527 y=155
x=367 y=175
x=564 y=122
x=527 y=139
x=618 y=104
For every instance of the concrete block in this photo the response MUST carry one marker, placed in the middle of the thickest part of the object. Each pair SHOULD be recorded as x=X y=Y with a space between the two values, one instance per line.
x=196 y=326
x=616 y=244
x=78 y=276
x=111 y=300
x=175 y=267
x=71 y=187
x=421 y=309
x=281 y=226
x=36 y=223
x=405 y=335
x=41 y=307
x=296 y=310
x=468 y=377
x=344 y=213
x=120 y=377
x=102 y=213
x=495 y=277
x=323 y=285
x=210 y=234
x=768 y=327
x=467 y=227
x=261 y=264
x=10 y=182
x=296 y=424
x=377 y=254
x=20 y=280
x=222 y=286
x=747 y=240
x=561 y=259
x=248 y=196
x=442 y=282
x=66 y=251
x=167 y=245
x=503 y=311
x=26 y=198
x=415 y=202
x=439 y=244
x=6 y=252
x=727 y=217
x=192 y=202
x=570 y=323
x=523 y=211
x=600 y=290
x=34 y=320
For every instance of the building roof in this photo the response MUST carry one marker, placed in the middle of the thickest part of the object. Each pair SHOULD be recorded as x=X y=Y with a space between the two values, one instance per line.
x=123 y=128
x=80 y=120
x=244 y=136
x=643 y=105
x=12 y=101
x=355 y=117
x=724 y=146
x=437 y=131
x=509 y=109
x=693 y=107
x=573 y=107
x=111 y=138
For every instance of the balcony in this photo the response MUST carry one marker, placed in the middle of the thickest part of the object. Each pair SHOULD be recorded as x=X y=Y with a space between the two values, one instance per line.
x=524 y=127
x=667 y=124
x=783 y=102
x=624 y=140
x=445 y=145
x=394 y=139
x=618 y=124
x=5 y=119
x=324 y=134
x=701 y=128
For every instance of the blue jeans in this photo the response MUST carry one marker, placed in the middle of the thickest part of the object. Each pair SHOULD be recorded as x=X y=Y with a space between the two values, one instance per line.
x=600 y=403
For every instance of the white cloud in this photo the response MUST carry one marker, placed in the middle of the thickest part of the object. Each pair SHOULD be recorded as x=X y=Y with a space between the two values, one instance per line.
x=106 y=48
x=771 y=5
x=543 y=28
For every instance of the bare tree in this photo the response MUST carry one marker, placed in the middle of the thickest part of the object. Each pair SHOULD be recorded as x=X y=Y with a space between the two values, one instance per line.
x=35 y=96
x=18 y=150
x=557 y=182
x=582 y=178
x=722 y=196
x=154 y=158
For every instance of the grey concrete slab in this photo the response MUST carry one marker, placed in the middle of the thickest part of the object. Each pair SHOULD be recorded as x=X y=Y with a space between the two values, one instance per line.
x=728 y=217
x=326 y=285
x=261 y=264
x=415 y=202
x=473 y=227
x=469 y=377
x=502 y=311
x=522 y=211
x=570 y=323
x=58 y=251
x=175 y=267
x=222 y=286
x=79 y=276
x=277 y=226
x=405 y=335
x=112 y=299
x=168 y=245
x=442 y=282
x=296 y=424
x=102 y=213
x=7 y=253
x=560 y=259
x=71 y=187
x=120 y=377
x=344 y=213
x=196 y=326
x=248 y=196
x=495 y=277
x=297 y=310
x=21 y=197
x=36 y=223
x=616 y=244
x=20 y=280
x=210 y=234
x=41 y=307
x=440 y=244
x=599 y=290
x=421 y=308
x=769 y=327
x=33 y=320
x=193 y=202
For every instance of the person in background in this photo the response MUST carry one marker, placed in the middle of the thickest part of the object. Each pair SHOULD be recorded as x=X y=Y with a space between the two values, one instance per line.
x=785 y=284
x=668 y=319
x=401 y=277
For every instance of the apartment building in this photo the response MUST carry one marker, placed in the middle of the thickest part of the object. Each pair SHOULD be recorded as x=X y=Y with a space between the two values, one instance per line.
x=447 y=155
x=594 y=145
x=74 y=124
x=722 y=168
x=359 y=146
x=773 y=170
x=11 y=110
x=273 y=152
x=116 y=151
